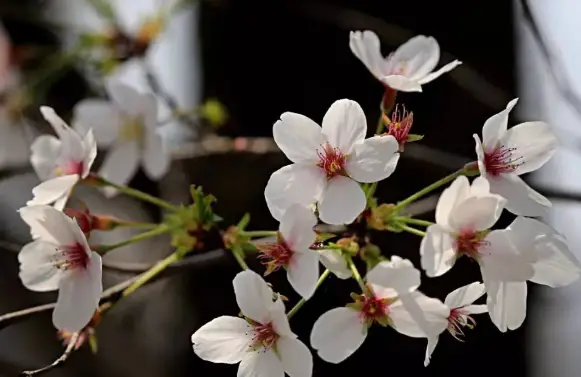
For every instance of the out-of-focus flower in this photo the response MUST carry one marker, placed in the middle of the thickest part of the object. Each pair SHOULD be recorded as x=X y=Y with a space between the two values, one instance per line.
x=60 y=162
x=504 y=154
x=408 y=68
x=328 y=163
x=262 y=342
x=128 y=124
x=60 y=258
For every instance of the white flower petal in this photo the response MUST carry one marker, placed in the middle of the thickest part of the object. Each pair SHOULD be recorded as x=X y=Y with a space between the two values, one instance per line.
x=432 y=343
x=60 y=127
x=495 y=127
x=479 y=148
x=295 y=357
x=477 y=213
x=48 y=224
x=261 y=364
x=480 y=187
x=78 y=298
x=476 y=309
x=45 y=151
x=418 y=56
x=298 y=137
x=507 y=303
x=37 y=270
x=532 y=145
x=500 y=260
x=303 y=273
x=279 y=320
x=465 y=295
x=437 y=250
x=373 y=160
x=401 y=83
x=555 y=265
x=366 y=47
x=337 y=334
x=450 y=198
x=419 y=316
x=335 y=262
x=344 y=124
x=156 y=159
x=398 y=274
x=71 y=142
x=101 y=116
x=334 y=208
x=434 y=75
x=253 y=295
x=53 y=189
x=296 y=183
x=128 y=99
x=223 y=340
x=521 y=198
x=296 y=227
x=90 y=147
x=120 y=165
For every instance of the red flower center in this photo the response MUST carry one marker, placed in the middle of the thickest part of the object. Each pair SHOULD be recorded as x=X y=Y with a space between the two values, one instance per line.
x=75 y=257
x=500 y=160
x=458 y=319
x=275 y=255
x=331 y=160
x=264 y=336
x=399 y=125
x=374 y=308
x=70 y=168
x=469 y=242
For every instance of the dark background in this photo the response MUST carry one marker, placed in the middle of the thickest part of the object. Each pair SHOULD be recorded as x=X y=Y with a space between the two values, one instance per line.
x=262 y=58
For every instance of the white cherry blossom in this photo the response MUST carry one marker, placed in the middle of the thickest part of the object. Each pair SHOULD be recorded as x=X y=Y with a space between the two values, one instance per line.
x=328 y=163
x=127 y=123
x=407 y=68
x=292 y=250
x=461 y=305
x=551 y=263
x=338 y=333
x=504 y=154
x=335 y=262
x=60 y=162
x=262 y=342
x=60 y=258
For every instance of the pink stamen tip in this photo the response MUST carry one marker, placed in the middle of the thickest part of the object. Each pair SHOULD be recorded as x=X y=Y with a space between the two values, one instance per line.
x=469 y=243
x=264 y=336
x=331 y=160
x=501 y=160
x=400 y=124
x=457 y=320
x=276 y=255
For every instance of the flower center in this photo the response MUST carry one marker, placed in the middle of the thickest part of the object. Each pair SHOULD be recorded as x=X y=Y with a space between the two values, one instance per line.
x=275 y=255
x=458 y=319
x=264 y=336
x=74 y=257
x=132 y=129
x=500 y=160
x=331 y=160
x=374 y=308
x=469 y=242
x=399 y=125
x=70 y=168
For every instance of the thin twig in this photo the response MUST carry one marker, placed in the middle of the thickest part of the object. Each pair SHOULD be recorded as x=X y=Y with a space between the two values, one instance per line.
x=57 y=362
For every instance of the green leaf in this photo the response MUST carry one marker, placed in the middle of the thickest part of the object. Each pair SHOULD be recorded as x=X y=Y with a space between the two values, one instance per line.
x=413 y=137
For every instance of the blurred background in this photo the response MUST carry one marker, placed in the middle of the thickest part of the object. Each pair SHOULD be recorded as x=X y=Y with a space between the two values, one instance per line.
x=234 y=67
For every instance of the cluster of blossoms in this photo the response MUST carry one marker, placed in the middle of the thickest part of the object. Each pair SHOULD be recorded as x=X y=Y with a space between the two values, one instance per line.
x=333 y=167
x=331 y=180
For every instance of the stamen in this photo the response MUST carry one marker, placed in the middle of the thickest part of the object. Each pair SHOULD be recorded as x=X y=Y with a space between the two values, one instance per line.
x=275 y=255
x=501 y=160
x=458 y=319
x=73 y=257
x=399 y=125
x=264 y=336
x=331 y=160
x=470 y=242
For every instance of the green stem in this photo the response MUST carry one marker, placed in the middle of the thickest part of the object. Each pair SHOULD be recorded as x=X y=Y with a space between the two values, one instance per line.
x=411 y=230
x=258 y=233
x=135 y=224
x=238 y=252
x=356 y=274
x=380 y=124
x=161 y=229
x=300 y=304
x=412 y=221
x=136 y=194
x=154 y=271
x=428 y=189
